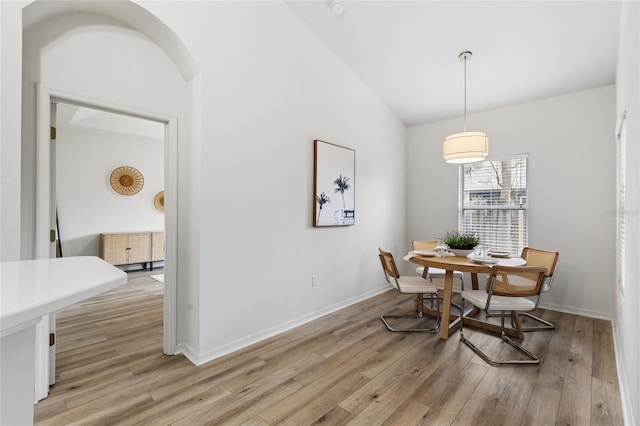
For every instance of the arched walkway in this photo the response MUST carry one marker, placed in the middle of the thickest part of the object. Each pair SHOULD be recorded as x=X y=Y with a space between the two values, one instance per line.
x=46 y=25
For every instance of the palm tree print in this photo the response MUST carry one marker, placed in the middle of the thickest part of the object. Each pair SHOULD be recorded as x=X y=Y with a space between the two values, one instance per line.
x=343 y=185
x=321 y=199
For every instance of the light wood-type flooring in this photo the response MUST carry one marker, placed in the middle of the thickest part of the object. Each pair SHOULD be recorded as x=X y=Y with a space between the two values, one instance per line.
x=345 y=368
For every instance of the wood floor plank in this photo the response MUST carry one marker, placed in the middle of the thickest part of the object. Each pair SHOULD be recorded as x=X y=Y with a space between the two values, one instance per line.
x=388 y=357
x=516 y=396
x=380 y=410
x=575 y=402
x=336 y=416
x=256 y=397
x=604 y=362
x=605 y=403
x=92 y=386
x=443 y=377
x=96 y=367
x=98 y=411
x=282 y=381
x=476 y=410
x=255 y=421
x=76 y=358
x=401 y=379
x=355 y=356
x=132 y=384
x=46 y=411
x=321 y=404
x=173 y=407
x=554 y=368
x=344 y=368
x=543 y=407
x=455 y=395
x=495 y=381
x=341 y=370
x=514 y=400
x=410 y=412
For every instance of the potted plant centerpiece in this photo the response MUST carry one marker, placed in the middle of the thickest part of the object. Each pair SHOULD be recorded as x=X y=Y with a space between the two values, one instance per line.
x=461 y=243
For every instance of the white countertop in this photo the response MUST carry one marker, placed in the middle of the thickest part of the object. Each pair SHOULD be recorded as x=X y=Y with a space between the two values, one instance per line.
x=30 y=289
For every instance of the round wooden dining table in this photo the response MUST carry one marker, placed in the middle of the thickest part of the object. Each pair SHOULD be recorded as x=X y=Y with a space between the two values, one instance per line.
x=449 y=321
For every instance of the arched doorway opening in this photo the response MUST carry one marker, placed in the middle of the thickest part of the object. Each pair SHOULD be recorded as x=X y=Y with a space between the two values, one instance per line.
x=59 y=41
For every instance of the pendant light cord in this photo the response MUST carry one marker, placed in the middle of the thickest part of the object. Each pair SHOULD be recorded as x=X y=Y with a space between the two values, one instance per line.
x=465 y=93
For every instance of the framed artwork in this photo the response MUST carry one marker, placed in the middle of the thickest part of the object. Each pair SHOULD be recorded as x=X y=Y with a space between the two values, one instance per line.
x=333 y=185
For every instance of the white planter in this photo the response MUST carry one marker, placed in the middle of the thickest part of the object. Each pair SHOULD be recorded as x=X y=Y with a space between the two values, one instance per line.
x=460 y=252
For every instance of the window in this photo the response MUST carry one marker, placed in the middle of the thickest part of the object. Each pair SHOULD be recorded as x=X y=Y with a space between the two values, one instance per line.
x=493 y=202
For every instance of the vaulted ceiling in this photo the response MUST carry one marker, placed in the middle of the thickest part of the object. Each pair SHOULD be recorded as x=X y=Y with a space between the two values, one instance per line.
x=407 y=51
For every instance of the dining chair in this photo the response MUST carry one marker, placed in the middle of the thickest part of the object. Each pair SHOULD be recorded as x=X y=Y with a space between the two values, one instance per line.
x=407 y=285
x=437 y=275
x=508 y=289
x=549 y=259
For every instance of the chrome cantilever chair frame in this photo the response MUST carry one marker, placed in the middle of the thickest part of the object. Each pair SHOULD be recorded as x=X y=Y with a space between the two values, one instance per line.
x=407 y=285
x=546 y=286
x=503 y=304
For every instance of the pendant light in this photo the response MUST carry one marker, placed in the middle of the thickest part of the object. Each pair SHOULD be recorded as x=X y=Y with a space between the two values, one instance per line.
x=466 y=147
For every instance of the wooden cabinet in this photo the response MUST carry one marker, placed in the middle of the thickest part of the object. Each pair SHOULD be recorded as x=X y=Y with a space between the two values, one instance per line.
x=139 y=247
x=157 y=246
x=114 y=248
x=125 y=248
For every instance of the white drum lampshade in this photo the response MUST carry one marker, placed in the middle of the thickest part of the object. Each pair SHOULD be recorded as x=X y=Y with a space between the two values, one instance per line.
x=467 y=147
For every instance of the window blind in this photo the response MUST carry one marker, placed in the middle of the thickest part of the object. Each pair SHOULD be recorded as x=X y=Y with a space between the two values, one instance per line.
x=493 y=202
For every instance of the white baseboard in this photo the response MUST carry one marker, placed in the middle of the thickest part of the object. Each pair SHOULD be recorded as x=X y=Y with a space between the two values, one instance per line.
x=625 y=396
x=210 y=355
x=577 y=311
x=188 y=352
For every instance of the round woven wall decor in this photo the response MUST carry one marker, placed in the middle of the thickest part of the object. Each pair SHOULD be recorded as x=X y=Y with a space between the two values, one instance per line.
x=126 y=180
x=158 y=201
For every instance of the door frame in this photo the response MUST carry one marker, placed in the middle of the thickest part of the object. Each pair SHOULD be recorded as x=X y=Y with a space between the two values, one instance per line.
x=43 y=225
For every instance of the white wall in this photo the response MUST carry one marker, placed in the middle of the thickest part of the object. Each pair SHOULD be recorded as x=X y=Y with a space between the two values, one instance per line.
x=571 y=150
x=269 y=88
x=10 y=149
x=626 y=308
x=86 y=203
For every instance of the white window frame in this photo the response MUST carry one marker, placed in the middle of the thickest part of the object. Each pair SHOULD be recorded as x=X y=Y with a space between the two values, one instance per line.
x=494 y=239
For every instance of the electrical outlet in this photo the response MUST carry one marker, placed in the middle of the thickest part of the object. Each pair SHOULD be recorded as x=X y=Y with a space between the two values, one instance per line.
x=314 y=280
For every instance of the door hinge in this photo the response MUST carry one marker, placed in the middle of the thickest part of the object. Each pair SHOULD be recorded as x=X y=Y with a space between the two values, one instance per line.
x=52 y=339
x=52 y=236
x=53 y=133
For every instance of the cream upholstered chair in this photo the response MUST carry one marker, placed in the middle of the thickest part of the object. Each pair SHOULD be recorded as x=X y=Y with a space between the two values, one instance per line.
x=436 y=275
x=508 y=289
x=407 y=285
x=548 y=259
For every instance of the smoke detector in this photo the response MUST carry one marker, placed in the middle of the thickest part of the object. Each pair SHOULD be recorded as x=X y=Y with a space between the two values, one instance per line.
x=337 y=8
